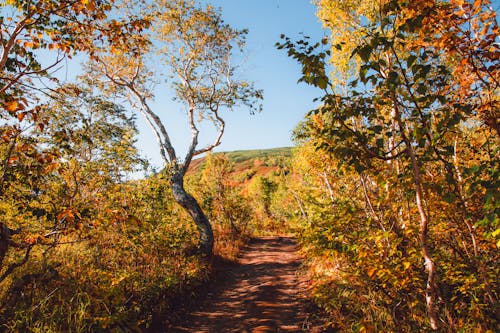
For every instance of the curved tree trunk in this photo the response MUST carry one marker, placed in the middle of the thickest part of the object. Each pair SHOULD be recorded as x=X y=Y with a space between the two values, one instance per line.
x=193 y=208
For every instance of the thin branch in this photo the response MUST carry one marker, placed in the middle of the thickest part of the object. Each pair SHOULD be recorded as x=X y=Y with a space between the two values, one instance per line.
x=370 y=152
x=159 y=130
x=218 y=139
x=166 y=144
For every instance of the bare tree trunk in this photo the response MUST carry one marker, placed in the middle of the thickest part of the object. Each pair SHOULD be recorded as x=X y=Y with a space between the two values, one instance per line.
x=301 y=205
x=4 y=241
x=329 y=188
x=190 y=204
x=431 y=287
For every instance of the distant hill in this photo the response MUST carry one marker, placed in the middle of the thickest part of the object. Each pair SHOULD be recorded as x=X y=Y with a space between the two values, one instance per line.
x=258 y=161
x=239 y=156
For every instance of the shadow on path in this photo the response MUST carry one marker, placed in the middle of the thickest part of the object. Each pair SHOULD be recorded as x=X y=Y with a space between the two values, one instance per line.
x=260 y=293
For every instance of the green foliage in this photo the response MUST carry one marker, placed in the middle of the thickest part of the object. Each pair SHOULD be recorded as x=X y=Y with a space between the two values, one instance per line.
x=123 y=276
x=399 y=163
x=239 y=156
x=82 y=247
x=365 y=264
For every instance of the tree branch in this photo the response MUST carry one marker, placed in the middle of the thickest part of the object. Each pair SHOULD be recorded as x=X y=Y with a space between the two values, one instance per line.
x=13 y=266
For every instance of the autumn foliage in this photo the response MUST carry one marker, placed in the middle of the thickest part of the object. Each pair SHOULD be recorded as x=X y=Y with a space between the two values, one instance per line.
x=392 y=189
x=401 y=222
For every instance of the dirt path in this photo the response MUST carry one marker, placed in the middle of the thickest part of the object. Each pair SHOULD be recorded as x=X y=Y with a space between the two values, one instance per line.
x=260 y=293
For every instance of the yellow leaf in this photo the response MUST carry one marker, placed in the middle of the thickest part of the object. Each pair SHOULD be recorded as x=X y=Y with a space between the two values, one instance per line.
x=90 y=5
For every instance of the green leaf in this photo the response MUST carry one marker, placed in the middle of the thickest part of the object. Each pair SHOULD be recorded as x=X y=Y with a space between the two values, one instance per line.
x=322 y=82
x=365 y=52
x=410 y=60
x=380 y=143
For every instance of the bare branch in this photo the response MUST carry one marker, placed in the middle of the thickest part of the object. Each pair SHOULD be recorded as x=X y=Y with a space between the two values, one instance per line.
x=218 y=139
x=194 y=141
x=164 y=139
x=167 y=150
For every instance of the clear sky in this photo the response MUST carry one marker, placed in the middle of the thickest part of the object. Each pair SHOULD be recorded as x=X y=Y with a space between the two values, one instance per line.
x=285 y=102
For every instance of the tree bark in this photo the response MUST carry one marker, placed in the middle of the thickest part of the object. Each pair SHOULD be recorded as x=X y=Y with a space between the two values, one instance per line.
x=5 y=241
x=189 y=203
x=431 y=287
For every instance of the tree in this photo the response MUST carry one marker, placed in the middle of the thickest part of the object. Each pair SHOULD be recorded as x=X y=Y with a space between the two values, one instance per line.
x=195 y=48
x=345 y=21
x=29 y=29
x=92 y=130
x=31 y=32
x=221 y=196
x=402 y=115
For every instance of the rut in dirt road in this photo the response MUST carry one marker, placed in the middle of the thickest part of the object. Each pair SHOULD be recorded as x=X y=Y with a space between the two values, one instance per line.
x=261 y=293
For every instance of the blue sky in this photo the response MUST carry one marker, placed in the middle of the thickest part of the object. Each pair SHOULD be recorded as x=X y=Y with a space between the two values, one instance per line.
x=285 y=102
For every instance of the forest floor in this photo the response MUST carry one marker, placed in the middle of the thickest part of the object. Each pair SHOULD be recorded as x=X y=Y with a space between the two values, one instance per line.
x=261 y=292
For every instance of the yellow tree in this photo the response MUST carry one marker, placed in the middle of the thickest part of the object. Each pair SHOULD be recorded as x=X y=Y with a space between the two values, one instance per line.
x=345 y=20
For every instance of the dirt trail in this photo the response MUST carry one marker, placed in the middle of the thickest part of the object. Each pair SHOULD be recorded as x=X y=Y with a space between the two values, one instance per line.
x=260 y=293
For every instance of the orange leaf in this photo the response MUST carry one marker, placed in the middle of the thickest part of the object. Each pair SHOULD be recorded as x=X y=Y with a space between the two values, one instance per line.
x=31 y=240
x=20 y=116
x=11 y=106
x=66 y=214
